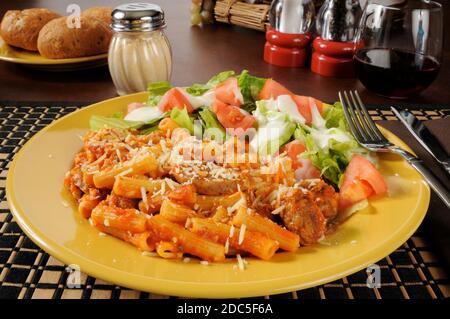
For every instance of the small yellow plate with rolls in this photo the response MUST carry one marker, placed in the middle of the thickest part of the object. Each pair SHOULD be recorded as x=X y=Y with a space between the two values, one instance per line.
x=42 y=39
x=49 y=216
x=35 y=60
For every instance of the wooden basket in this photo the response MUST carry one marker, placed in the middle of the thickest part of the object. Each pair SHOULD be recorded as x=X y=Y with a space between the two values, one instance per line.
x=253 y=16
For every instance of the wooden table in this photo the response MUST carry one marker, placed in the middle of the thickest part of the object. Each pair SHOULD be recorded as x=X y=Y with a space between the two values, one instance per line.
x=198 y=54
x=26 y=271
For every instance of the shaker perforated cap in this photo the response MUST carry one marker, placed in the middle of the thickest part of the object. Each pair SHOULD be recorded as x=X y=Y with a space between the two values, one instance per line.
x=135 y=17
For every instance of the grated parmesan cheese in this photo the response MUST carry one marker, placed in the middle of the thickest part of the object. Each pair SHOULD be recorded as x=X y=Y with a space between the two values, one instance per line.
x=163 y=188
x=241 y=264
x=149 y=254
x=101 y=234
x=163 y=146
x=186 y=259
x=106 y=222
x=98 y=160
x=242 y=233
x=227 y=245
x=278 y=210
x=119 y=156
x=239 y=203
x=231 y=231
x=144 y=197
x=128 y=147
x=125 y=172
x=172 y=184
x=204 y=263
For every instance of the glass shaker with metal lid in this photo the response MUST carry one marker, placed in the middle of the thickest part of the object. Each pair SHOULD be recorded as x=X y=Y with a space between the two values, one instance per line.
x=336 y=25
x=288 y=35
x=139 y=52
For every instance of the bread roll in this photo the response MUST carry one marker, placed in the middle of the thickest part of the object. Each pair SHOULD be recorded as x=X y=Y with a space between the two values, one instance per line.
x=101 y=13
x=21 y=28
x=57 y=41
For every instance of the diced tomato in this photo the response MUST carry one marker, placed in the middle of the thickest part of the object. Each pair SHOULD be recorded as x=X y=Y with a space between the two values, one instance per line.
x=133 y=106
x=319 y=105
x=361 y=168
x=304 y=169
x=361 y=180
x=303 y=107
x=272 y=89
x=228 y=92
x=354 y=192
x=230 y=116
x=174 y=98
x=293 y=150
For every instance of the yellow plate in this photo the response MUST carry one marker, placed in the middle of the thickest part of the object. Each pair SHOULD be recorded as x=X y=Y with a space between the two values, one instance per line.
x=35 y=60
x=48 y=216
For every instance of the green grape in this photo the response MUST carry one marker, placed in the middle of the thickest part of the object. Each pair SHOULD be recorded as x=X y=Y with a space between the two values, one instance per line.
x=196 y=19
x=206 y=16
x=195 y=8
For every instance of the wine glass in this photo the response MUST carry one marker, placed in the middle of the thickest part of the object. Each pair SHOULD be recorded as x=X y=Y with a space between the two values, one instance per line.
x=398 y=47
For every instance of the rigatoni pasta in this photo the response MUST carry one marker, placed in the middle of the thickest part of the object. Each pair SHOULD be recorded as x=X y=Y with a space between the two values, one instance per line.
x=254 y=222
x=129 y=187
x=190 y=242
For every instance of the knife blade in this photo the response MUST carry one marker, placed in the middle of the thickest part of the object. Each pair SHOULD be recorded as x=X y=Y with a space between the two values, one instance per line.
x=424 y=137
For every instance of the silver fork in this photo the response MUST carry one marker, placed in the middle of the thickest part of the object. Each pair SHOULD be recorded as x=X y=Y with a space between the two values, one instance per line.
x=369 y=136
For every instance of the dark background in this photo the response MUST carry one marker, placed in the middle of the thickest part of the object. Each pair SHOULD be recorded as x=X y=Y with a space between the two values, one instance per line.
x=198 y=54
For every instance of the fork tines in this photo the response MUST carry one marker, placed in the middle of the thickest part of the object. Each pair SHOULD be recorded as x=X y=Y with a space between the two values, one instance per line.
x=361 y=124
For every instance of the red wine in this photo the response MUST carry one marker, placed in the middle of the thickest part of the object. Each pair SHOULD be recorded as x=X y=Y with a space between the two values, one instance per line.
x=395 y=73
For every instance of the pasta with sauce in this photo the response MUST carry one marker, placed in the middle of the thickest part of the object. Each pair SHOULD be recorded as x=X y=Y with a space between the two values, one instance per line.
x=171 y=194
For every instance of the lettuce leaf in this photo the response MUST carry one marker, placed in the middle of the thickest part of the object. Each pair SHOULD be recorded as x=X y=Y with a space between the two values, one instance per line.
x=331 y=147
x=250 y=86
x=148 y=130
x=98 y=122
x=333 y=159
x=219 y=78
x=117 y=115
x=249 y=107
x=159 y=88
x=181 y=117
x=210 y=122
x=199 y=89
x=156 y=91
x=334 y=116
x=301 y=132
x=274 y=128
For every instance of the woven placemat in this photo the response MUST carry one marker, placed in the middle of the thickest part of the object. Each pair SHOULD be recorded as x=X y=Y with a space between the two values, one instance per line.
x=26 y=271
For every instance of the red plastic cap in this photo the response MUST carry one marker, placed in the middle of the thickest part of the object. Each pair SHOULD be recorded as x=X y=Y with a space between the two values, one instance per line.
x=334 y=59
x=286 y=49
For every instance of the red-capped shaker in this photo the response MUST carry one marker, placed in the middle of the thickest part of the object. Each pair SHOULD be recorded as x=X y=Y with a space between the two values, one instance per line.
x=288 y=36
x=333 y=49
